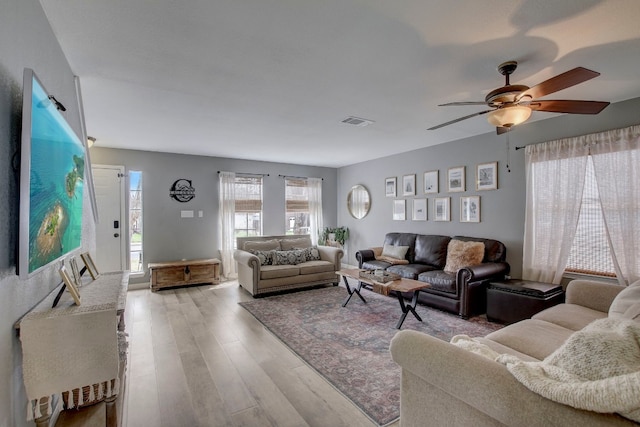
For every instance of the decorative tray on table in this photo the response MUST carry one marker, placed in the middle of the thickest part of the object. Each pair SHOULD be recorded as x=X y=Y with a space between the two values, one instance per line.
x=379 y=276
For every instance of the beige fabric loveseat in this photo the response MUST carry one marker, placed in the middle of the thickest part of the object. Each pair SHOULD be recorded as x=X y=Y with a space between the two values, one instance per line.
x=446 y=385
x=269 y=264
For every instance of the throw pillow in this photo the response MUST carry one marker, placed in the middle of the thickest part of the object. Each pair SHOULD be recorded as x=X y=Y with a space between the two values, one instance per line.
x=301 y=242
x=462 y=254
x=625 y=299
x=292 y=257
x=265 y=257
x=397 y=252
x=261 y=245
x=310 y=254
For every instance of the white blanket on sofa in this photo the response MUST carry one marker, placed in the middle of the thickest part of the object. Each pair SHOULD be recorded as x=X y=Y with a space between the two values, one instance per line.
x=597 y=368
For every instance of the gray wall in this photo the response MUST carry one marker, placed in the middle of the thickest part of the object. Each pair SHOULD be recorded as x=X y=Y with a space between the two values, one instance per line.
x=168 y=237
x=502 y=210
x=26 y=40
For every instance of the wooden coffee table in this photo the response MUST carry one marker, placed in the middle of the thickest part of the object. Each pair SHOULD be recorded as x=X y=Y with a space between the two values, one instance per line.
x=399 y=286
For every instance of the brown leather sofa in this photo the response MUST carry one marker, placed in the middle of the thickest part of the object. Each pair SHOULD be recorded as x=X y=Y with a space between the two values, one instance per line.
x=464 y=292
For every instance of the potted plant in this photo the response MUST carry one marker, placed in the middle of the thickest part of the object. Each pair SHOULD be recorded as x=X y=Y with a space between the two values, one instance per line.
x=338 y=235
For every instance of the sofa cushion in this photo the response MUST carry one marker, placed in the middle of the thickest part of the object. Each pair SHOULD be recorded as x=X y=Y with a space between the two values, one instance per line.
x=278 y=271
x=292 y=257
x=431 y=250
x=313 y=267
x=462 y=254
x=261 y=245
x=375 y=264
x=570 y=316
x=300 y=242
x=440 y=280
x=409 y=271
x=532 y=337
x=625 y=299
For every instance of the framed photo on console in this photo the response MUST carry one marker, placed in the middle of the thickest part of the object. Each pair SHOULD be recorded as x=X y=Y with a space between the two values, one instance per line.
x=71 y=287
x=91 y=266
x=75 y=272
x=390 y=187
x=441 y=209
x=470 y=209
x=487 y=176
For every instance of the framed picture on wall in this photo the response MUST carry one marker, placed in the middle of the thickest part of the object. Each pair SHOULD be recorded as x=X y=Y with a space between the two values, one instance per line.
x=419 y=211
x=390 y=187
x=441 y=209
x=470 y=209
x=487 y=176
x=399 y=210
x=430 y=182
x=455 y=179
x=409 y=185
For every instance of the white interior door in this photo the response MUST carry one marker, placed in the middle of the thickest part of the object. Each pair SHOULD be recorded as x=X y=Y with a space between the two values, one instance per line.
x=111 y=234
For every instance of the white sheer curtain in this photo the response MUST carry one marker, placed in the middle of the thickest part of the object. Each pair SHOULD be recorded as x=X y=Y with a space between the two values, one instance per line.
x=226 y=221
x=616 y=160
x=555 y=173
x=316 y=223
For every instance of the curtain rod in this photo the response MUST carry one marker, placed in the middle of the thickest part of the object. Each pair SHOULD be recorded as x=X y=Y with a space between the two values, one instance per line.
x=249 y=173
x=296 y=177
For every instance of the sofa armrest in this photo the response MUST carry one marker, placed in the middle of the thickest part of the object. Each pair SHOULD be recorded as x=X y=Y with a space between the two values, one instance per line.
x=483 y=271
x=592 y=294
x=364 y=255
x=481 y=383
x=248 y=270
x=332 y=254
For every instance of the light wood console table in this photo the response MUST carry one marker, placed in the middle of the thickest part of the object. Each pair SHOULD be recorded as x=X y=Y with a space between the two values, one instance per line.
x=75 y=348
x=187 y=272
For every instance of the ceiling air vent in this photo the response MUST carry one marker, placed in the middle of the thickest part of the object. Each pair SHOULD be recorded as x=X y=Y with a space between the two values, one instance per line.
x=356 y=121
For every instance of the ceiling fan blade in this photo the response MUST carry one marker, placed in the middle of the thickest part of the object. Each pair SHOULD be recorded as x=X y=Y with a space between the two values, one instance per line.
x=455 y=104
x=568 y=106
x=459 y=119
x=559 y=82
x=500 y=130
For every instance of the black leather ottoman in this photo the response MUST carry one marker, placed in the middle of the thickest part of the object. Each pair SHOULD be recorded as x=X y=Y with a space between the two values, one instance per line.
x=509 y=301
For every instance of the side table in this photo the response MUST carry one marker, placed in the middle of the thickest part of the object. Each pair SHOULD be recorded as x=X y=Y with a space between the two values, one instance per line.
x=512 y=300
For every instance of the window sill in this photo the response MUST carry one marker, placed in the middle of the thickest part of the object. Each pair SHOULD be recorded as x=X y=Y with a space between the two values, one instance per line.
x=571 y=276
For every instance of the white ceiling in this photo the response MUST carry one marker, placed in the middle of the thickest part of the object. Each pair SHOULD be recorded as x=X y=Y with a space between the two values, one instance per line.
x=272 y=79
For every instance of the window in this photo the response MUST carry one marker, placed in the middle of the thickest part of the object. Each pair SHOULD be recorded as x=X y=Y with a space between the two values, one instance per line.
x=248 y=206
x=590 y=252
x=297 y=206
x=135 y=221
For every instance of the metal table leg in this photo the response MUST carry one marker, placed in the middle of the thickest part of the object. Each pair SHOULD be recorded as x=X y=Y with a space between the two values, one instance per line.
x=351 y=291
x=407 y=308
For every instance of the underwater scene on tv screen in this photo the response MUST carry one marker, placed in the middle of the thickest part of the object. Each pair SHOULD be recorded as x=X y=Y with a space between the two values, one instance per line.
x=56 y=183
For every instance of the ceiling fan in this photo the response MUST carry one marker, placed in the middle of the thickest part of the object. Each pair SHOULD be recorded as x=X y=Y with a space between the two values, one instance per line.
x=513 y=104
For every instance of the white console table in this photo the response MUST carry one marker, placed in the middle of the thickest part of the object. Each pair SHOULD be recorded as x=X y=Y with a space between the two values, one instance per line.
x=71 y=347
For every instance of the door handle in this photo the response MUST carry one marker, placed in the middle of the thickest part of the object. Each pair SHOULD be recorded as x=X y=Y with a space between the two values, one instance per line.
x=116 y=235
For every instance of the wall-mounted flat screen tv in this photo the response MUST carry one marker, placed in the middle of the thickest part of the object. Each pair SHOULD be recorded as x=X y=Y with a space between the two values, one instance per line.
x=51 y=182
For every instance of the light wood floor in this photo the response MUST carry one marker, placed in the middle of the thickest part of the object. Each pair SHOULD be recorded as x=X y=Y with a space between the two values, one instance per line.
x=196 y=358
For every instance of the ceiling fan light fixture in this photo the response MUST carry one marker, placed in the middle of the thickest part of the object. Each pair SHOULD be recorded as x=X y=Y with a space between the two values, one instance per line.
x=509 y=116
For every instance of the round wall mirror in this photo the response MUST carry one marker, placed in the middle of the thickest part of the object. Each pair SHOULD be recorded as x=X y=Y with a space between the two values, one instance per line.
x=358 y=201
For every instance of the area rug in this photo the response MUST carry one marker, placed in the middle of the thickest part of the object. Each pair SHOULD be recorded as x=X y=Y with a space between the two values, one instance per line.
x=349 y=346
